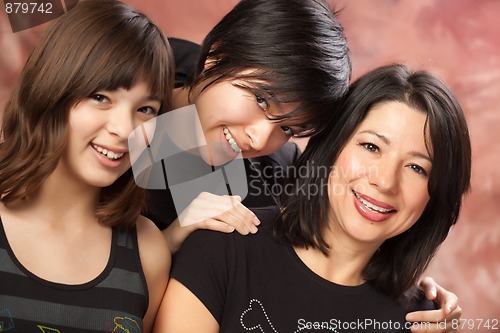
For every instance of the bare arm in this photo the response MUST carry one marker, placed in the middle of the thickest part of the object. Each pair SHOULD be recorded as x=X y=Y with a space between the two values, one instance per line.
x=155 y=259
x=182 y=312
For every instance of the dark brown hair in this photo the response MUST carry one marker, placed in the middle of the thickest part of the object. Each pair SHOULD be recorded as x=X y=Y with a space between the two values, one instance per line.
x=98 y=45
x=287 y=51
x=401 y=259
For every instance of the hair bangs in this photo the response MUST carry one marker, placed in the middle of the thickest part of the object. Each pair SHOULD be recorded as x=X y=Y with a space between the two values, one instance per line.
x=144 y=57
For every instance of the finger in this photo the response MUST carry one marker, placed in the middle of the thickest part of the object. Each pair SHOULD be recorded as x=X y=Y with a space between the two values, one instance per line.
x=247 y=214
x=432 y=316
x=445 y=299
x=236 y=198
x=215 y=225
x=241 y=221
x=429 y=286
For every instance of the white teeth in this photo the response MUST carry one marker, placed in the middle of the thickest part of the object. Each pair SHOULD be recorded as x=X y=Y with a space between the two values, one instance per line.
x=371 y=206
x=109 y=154
x=231 y=141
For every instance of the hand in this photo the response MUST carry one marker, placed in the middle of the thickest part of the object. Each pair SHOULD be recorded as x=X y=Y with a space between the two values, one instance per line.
x=213 y=212
x=220 y=213
x=441 y=320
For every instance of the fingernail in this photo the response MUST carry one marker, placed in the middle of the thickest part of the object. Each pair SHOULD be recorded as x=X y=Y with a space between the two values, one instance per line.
x=256 y=221
x=230 y=228
x=254 y=229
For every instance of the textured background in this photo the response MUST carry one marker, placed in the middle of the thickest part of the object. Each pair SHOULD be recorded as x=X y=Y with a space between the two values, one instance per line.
x=458 y=39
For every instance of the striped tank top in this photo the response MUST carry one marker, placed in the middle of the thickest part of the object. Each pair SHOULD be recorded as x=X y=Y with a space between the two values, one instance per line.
x=115 y=301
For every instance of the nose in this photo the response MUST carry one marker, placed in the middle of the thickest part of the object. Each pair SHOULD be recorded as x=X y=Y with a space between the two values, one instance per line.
x=121 y=122
x=385 y=176
x=259 y=134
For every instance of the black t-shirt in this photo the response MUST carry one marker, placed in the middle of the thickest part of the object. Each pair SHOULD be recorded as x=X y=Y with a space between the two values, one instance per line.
x=247 y=281
x=263 y=174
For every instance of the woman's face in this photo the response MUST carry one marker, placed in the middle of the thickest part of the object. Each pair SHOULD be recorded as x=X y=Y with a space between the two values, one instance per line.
x=99 y=126
x=236 y=120
x=378 y=185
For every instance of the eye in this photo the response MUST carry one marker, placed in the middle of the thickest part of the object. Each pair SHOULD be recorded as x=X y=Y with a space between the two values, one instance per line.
x=262 y=102
x=418 y=169
x=100 y=98
x=288 y=131
x=370 y=147
x=148 y=110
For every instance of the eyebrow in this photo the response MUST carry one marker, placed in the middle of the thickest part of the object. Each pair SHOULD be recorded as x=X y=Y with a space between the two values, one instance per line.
x=420 y=155
x=387 y=142
x=153 y=99
x=380 y=136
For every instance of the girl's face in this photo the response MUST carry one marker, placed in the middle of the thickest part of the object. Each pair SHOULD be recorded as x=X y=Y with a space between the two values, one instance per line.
x=378 y=185
x=99 y=126
x=236 y=120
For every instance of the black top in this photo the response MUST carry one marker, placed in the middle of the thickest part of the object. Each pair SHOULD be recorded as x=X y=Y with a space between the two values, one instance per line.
x=247 y=281
x=118 y=297
x=262 y=173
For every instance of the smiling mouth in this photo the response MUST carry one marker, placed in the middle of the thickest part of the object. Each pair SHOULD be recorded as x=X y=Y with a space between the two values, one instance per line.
x=231 y=141
x=107 y=153
x=373 y=207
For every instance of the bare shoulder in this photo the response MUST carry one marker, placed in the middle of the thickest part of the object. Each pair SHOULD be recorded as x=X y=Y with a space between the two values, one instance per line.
x=155 y=259
x=152 y=243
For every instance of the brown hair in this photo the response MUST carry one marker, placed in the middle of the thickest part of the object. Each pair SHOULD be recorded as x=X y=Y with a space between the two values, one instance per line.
x=98 y=45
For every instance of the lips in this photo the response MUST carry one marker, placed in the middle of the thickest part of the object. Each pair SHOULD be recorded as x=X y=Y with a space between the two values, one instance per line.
x=372 y=209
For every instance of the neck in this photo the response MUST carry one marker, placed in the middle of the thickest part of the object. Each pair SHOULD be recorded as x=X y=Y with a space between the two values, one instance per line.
x=343 y=265
x=59 y=202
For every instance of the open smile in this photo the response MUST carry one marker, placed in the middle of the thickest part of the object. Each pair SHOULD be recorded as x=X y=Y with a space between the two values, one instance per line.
x=372 y=206
x=231 y=141
x=108 y=153
x=371 y=209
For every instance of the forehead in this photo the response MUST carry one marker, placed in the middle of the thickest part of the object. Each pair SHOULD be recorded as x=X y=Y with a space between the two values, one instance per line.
x=397 y=121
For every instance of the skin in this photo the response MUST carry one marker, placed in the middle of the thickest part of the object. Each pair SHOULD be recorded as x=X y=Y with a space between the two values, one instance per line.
x=245 y=115
x=226 y=105
x=386 y=159
x=65 y=219
x=385 y=163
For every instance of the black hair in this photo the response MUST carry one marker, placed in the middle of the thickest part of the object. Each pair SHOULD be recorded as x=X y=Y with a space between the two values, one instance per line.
x=285 y=50
x=401 y=259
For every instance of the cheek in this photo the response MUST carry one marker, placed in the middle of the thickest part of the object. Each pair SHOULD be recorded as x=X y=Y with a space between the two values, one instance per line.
x=348 y=168
x=416 y=198
x=81 y=122
x=214 y=106
x=276 y=141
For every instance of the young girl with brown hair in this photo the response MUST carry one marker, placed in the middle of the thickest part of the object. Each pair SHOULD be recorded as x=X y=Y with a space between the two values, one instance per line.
x=75 y=255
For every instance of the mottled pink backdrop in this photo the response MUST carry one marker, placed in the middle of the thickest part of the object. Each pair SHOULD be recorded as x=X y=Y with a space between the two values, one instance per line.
x=459 y=39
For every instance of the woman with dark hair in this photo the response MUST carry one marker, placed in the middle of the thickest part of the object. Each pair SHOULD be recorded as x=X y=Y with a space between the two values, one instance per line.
x=265 y=73
x=444 y=166
x=267 y=65
x=75 y=253
x=351 y=242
